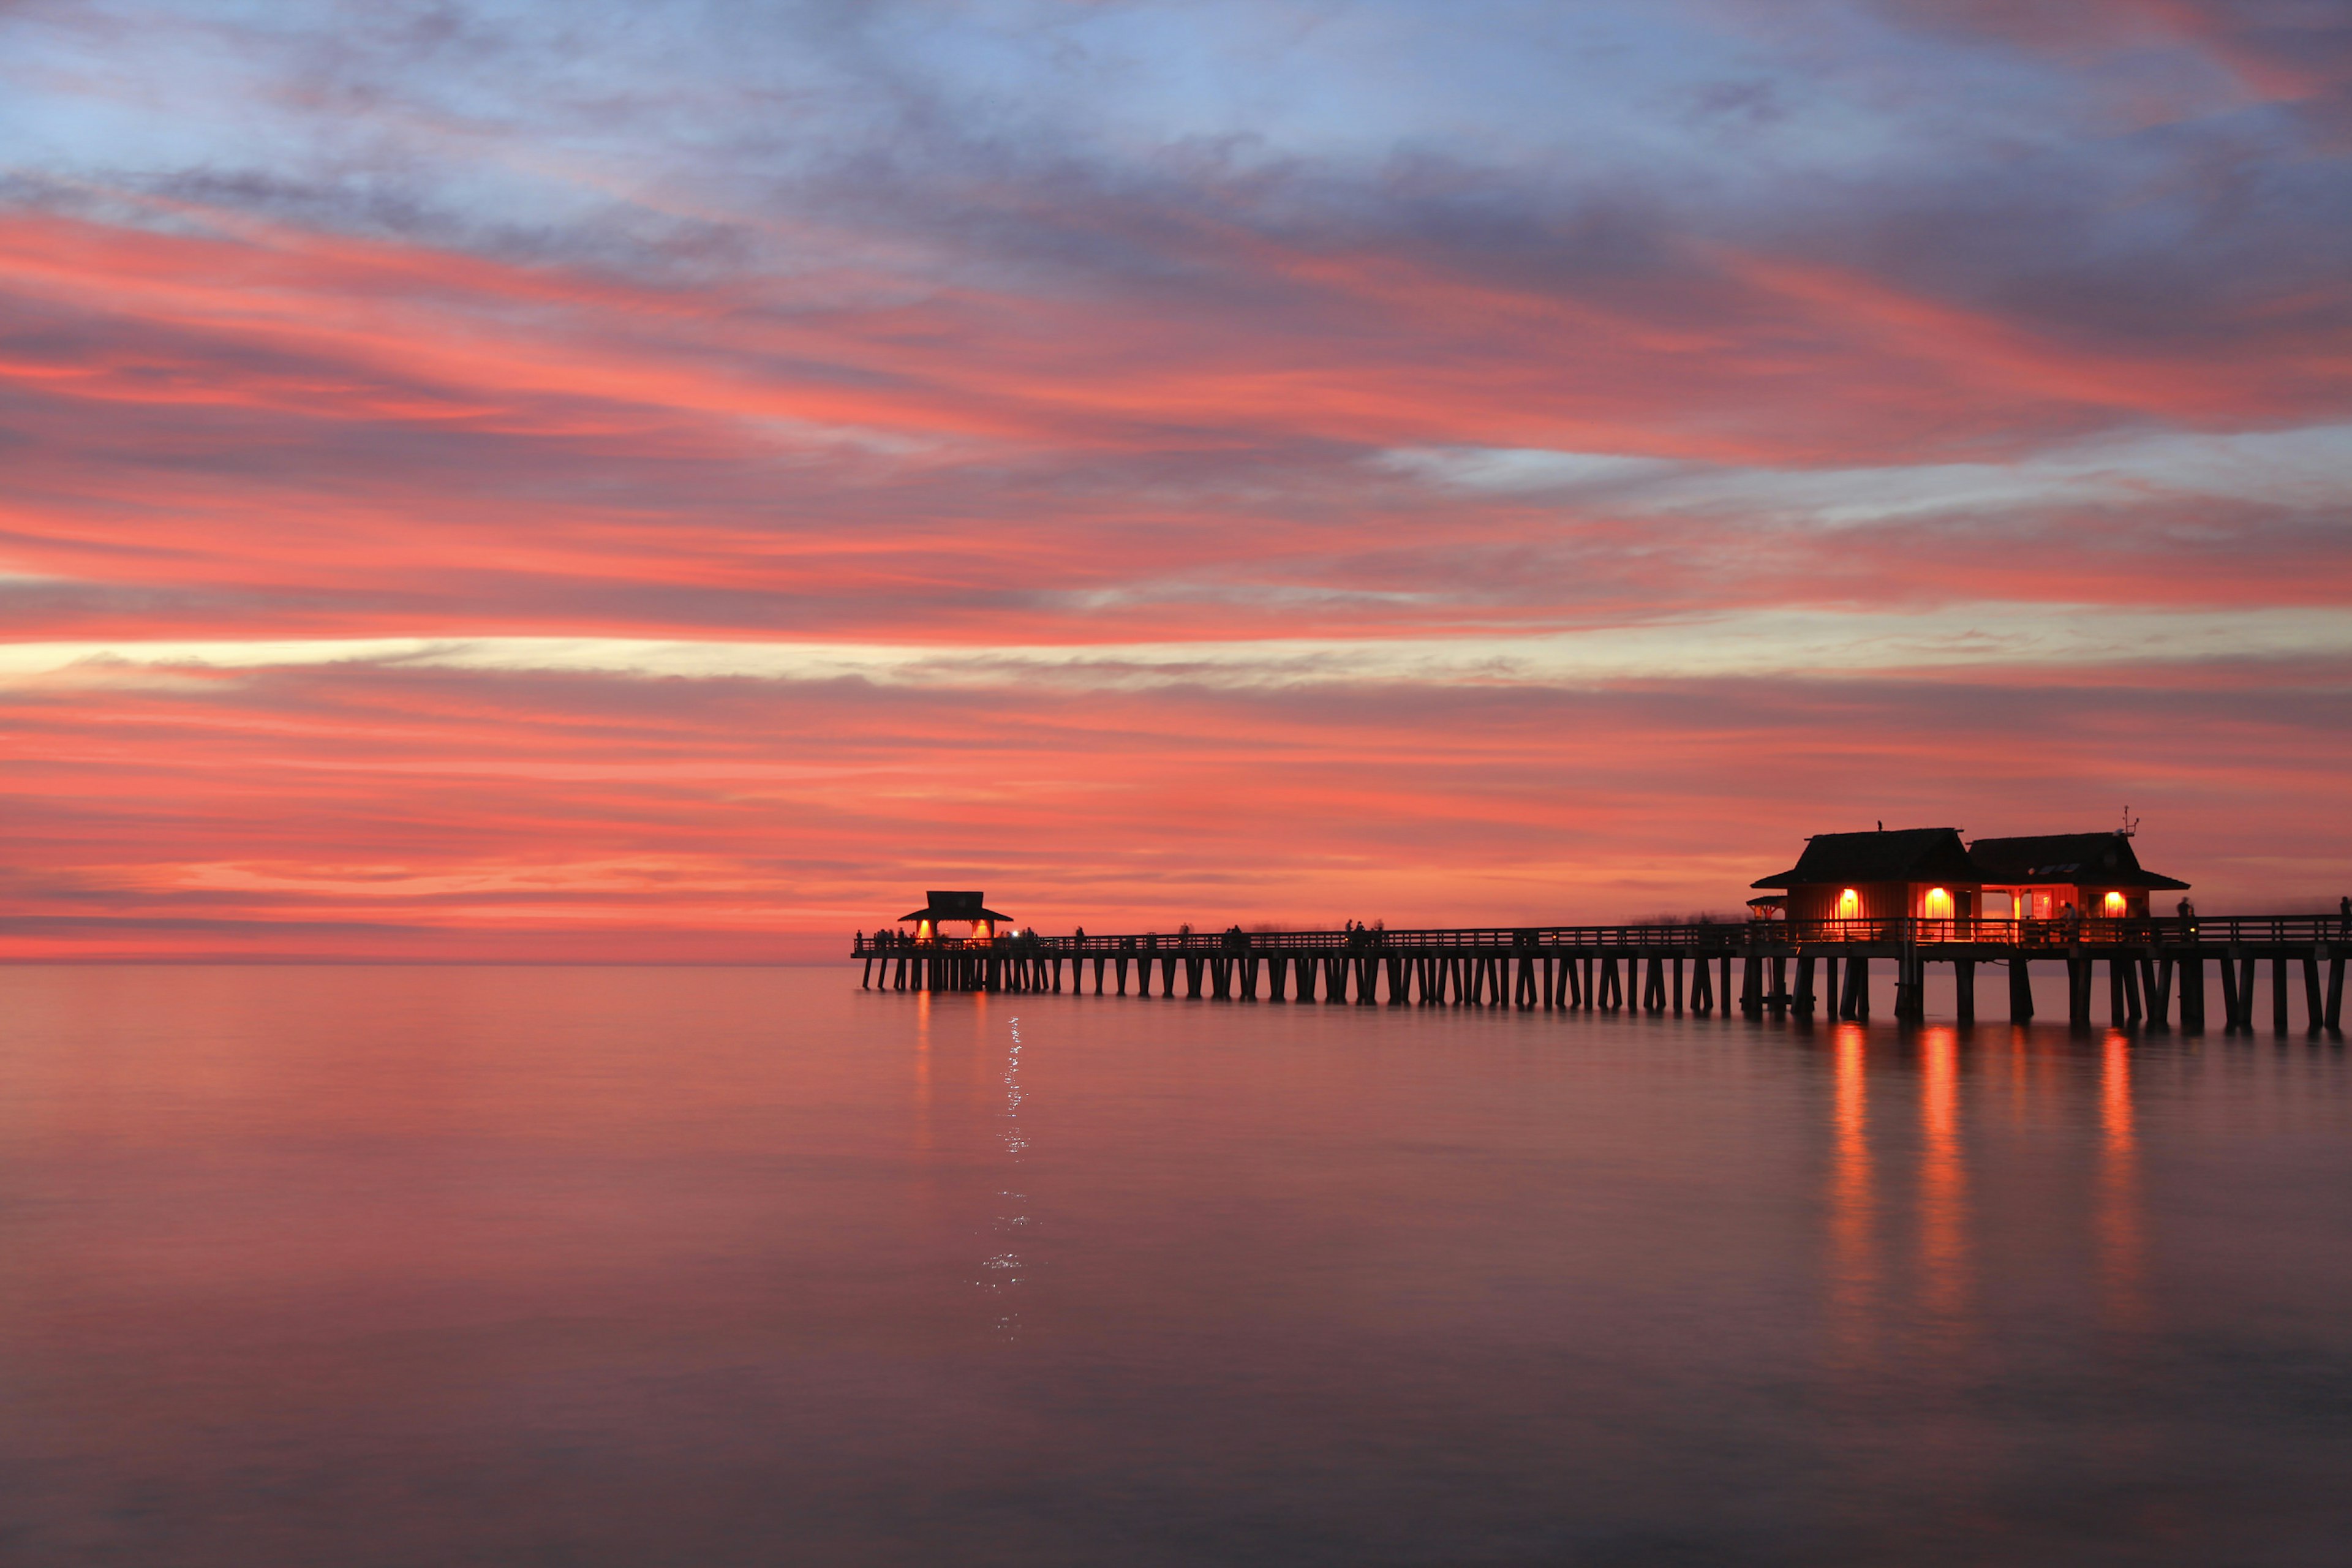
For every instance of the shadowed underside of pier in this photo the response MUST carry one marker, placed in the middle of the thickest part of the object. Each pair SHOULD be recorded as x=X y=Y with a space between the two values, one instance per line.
x=1761 y=968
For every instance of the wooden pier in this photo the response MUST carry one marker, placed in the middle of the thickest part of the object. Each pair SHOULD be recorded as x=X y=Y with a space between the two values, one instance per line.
x=1784 y=969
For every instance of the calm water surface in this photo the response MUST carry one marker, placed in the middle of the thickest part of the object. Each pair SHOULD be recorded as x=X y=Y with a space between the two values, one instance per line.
x=637 y=1267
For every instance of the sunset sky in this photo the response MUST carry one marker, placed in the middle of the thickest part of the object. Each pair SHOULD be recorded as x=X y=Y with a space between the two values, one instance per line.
x=676 y=480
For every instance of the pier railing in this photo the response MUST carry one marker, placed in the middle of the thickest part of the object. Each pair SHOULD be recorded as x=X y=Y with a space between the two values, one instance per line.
x=1694 y=937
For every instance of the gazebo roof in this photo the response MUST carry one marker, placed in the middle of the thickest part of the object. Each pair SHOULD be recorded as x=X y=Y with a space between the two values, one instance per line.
x=954 y=907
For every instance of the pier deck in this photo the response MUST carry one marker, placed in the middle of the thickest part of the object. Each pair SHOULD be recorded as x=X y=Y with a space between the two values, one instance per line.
x=1783 y=968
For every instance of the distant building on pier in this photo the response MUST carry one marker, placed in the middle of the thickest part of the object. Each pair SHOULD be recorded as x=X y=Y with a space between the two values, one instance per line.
x=968 y=909
x=1927 y=873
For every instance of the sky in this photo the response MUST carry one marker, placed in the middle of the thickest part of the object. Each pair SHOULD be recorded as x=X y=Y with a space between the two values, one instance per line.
x=675 y=480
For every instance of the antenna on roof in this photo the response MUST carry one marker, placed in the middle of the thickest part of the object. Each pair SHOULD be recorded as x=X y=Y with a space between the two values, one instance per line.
x=2131 y=824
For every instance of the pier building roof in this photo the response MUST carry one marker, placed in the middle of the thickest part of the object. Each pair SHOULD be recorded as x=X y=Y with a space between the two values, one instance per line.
x=1902 y=855
x=2104 y=858
x=954 y=906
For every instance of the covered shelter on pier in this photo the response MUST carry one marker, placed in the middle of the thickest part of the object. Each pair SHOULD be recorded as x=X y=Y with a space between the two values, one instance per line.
x=969 y=910
x=1922 y=873
x=2037 y=878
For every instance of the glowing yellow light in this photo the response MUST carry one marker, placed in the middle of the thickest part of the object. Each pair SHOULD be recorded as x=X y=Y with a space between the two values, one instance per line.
x=1937 y=906
x=2114 y=903
x=1849 y=904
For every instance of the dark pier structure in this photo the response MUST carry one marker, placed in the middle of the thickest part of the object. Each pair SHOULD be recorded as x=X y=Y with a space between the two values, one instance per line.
x=1792 y=961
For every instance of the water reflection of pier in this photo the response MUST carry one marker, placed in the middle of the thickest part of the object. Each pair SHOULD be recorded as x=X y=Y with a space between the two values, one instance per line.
x=1923 y=1081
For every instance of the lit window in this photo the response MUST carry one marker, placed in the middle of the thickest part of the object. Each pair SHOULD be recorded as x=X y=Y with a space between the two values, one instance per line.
x=1937 y=904
x=1849 y=904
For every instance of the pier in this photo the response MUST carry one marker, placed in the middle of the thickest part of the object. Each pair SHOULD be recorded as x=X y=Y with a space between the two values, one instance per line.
x=1800 y=969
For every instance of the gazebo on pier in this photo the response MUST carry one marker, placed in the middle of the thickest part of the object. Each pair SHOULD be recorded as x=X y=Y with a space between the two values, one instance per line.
x=966 y=909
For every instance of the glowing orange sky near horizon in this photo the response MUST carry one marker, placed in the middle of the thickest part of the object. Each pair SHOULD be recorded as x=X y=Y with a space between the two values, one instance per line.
x=466 y=494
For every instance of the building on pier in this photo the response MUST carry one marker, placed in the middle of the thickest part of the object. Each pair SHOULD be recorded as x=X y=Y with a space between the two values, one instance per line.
x=1929 y=874
x=969 y=910
x=1918 y=873
x=2035 y=878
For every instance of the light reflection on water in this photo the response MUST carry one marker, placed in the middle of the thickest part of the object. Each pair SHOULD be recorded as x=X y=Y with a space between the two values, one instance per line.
x=1853 y=1209
x=2119 y=1220
x=625 y=1267
x=1943 y=1189
x=1004 y=1271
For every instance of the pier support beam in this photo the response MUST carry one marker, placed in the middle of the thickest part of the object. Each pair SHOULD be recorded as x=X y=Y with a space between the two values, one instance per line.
x=2078 y=988
x=2021 y=991
x=1910 y=986
x=1964 y=992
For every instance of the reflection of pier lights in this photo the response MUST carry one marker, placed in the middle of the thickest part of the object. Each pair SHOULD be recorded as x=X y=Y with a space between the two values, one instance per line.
x=1853 y=1210
x=1943 y=1180
x=2118 y=1223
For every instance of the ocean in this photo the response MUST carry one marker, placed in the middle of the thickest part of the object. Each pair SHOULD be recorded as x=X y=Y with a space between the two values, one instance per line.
x=614 y=1266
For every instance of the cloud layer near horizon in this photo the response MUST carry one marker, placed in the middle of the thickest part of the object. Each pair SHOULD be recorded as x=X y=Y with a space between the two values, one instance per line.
x=517 y=480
